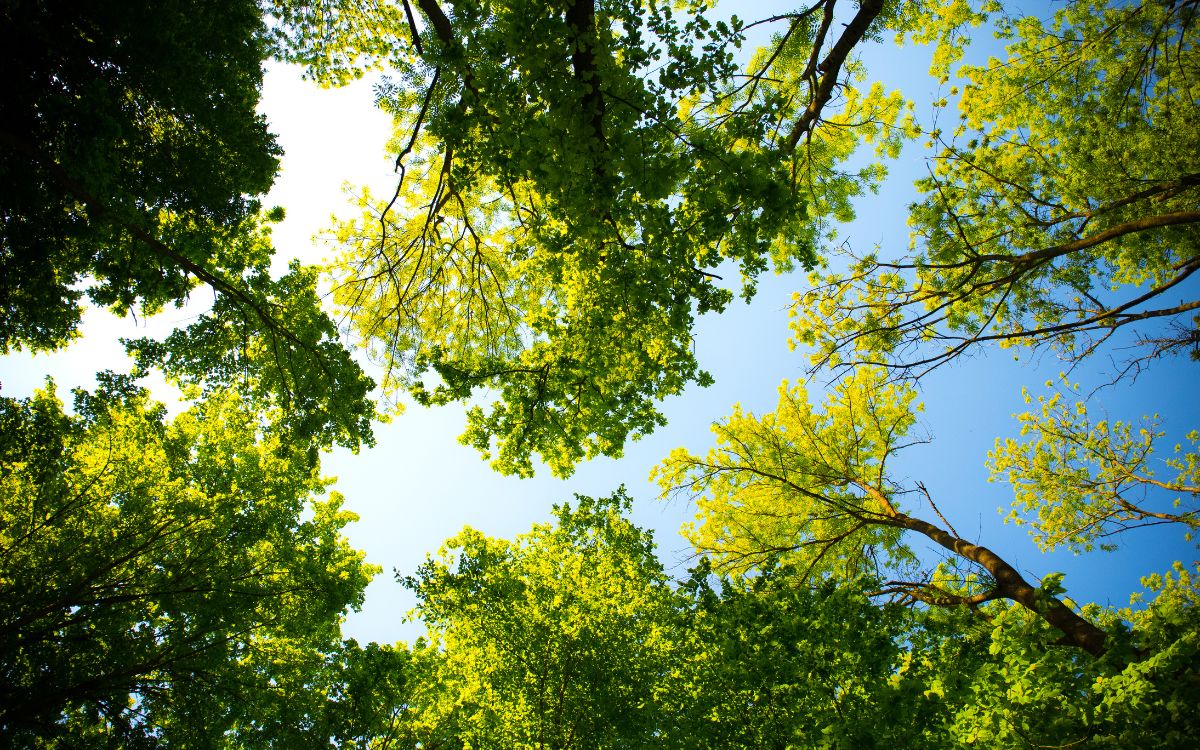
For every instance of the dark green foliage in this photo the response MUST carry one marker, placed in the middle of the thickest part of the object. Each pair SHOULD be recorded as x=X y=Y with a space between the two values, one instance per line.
x=777 y=663
x=131 y=158
x=302 y=368
x=120 y=121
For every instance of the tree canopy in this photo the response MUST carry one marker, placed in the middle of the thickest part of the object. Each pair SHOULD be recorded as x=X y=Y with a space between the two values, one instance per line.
x=814 y=484
x=571 y=636
x=121 y=127
x=574 y=182
x=134 y=161
x=555 y=639
x=569 y=189
x=164 y=579
x=1059 y=208
x=147 y=564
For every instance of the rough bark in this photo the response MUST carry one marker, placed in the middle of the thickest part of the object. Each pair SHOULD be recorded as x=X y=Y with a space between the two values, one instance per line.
x=831 y=67
x=1010 y=584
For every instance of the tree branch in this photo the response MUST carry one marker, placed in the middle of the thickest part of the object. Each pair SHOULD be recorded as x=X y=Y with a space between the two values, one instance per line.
x=831 y=67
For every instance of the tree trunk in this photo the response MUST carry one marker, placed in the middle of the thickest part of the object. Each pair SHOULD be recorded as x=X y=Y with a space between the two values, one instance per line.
x=1012 y=585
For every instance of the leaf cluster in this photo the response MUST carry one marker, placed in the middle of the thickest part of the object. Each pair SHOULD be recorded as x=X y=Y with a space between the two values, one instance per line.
x=571 y=178
x=1058 y=210
x=134 y=159
x=144 y=560
x=1083 y=481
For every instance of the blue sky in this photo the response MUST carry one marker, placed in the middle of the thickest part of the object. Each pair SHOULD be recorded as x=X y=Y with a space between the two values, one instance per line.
x=418 y=486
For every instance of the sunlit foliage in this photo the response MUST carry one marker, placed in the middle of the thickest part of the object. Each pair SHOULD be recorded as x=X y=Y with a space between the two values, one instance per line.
x=573 y=181
x=147 y=562
x=1059 y=208
x=1077 y=480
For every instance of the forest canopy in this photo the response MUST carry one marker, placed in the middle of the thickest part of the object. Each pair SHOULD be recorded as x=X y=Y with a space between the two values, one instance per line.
x=577 y=185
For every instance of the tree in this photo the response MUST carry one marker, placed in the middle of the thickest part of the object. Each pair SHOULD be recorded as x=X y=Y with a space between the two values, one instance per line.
x=571 y=636
x=572 y=177
x=1060 y=209
x=814 y=485
x=557 y=639
x=119 y=124
x=998 y=684
x=1082 y=481
x=774 y=661
x=133 y=160
x=148 y=565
